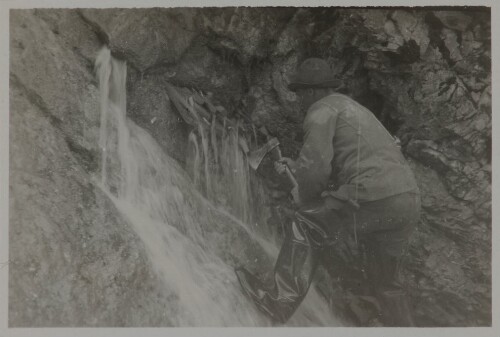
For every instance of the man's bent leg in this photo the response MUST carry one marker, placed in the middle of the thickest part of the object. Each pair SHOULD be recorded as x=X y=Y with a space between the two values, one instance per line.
x=385 y=228
x=384 y=271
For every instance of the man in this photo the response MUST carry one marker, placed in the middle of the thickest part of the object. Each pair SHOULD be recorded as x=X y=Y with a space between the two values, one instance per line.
x=354 y=183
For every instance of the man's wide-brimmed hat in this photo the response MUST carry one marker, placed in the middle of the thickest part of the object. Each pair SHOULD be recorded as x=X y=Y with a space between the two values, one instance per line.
x=313 y=73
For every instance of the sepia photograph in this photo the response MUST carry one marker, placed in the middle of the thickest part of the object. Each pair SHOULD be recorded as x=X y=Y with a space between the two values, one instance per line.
x=249 y=166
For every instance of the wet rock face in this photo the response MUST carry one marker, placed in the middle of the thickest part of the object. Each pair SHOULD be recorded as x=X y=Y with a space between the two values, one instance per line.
x=63 y=258
x=425 y=74
x=74 y=258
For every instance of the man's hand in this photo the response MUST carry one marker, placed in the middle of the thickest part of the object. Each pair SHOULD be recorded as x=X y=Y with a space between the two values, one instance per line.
x=280 y=165
x=284 y=165
x=295 y=195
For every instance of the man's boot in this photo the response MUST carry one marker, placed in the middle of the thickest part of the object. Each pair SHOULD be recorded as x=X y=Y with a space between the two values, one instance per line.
x=394 y=303
x=396 y=310
x=293 y=273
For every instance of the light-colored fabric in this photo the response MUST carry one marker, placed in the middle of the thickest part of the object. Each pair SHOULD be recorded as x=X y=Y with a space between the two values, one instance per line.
x=329 y=154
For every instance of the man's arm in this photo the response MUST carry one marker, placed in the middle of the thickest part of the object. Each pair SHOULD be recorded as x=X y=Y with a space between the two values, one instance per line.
x=313 y=166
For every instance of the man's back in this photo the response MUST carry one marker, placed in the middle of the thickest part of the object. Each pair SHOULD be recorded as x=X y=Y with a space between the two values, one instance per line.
x=337 y=130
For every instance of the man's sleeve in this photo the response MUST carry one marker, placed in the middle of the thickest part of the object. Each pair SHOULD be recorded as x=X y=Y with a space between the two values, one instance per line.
x=313 y=167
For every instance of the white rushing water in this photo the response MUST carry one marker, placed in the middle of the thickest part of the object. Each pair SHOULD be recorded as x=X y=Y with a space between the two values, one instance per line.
x=192 y=244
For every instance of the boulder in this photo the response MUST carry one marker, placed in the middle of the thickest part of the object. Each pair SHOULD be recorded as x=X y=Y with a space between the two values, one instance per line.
x=456 y=20
x=164 y=34
x=150 y=107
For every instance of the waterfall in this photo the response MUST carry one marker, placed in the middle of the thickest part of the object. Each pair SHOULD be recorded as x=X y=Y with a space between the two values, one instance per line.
x=195 y=167
x=103 y=69
x=225 y=173
x=192 y=244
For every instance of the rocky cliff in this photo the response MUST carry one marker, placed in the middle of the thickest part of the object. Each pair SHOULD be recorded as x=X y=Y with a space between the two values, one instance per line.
x=426 y=74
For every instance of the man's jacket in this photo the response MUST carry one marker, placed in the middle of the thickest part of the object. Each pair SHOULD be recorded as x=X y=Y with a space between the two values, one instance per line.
x=335 y=128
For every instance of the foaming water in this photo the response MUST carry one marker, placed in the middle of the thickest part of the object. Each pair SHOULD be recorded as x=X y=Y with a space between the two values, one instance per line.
x=193 y=240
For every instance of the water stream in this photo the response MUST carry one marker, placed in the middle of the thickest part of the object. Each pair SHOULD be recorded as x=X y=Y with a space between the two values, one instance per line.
x=192 y=241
